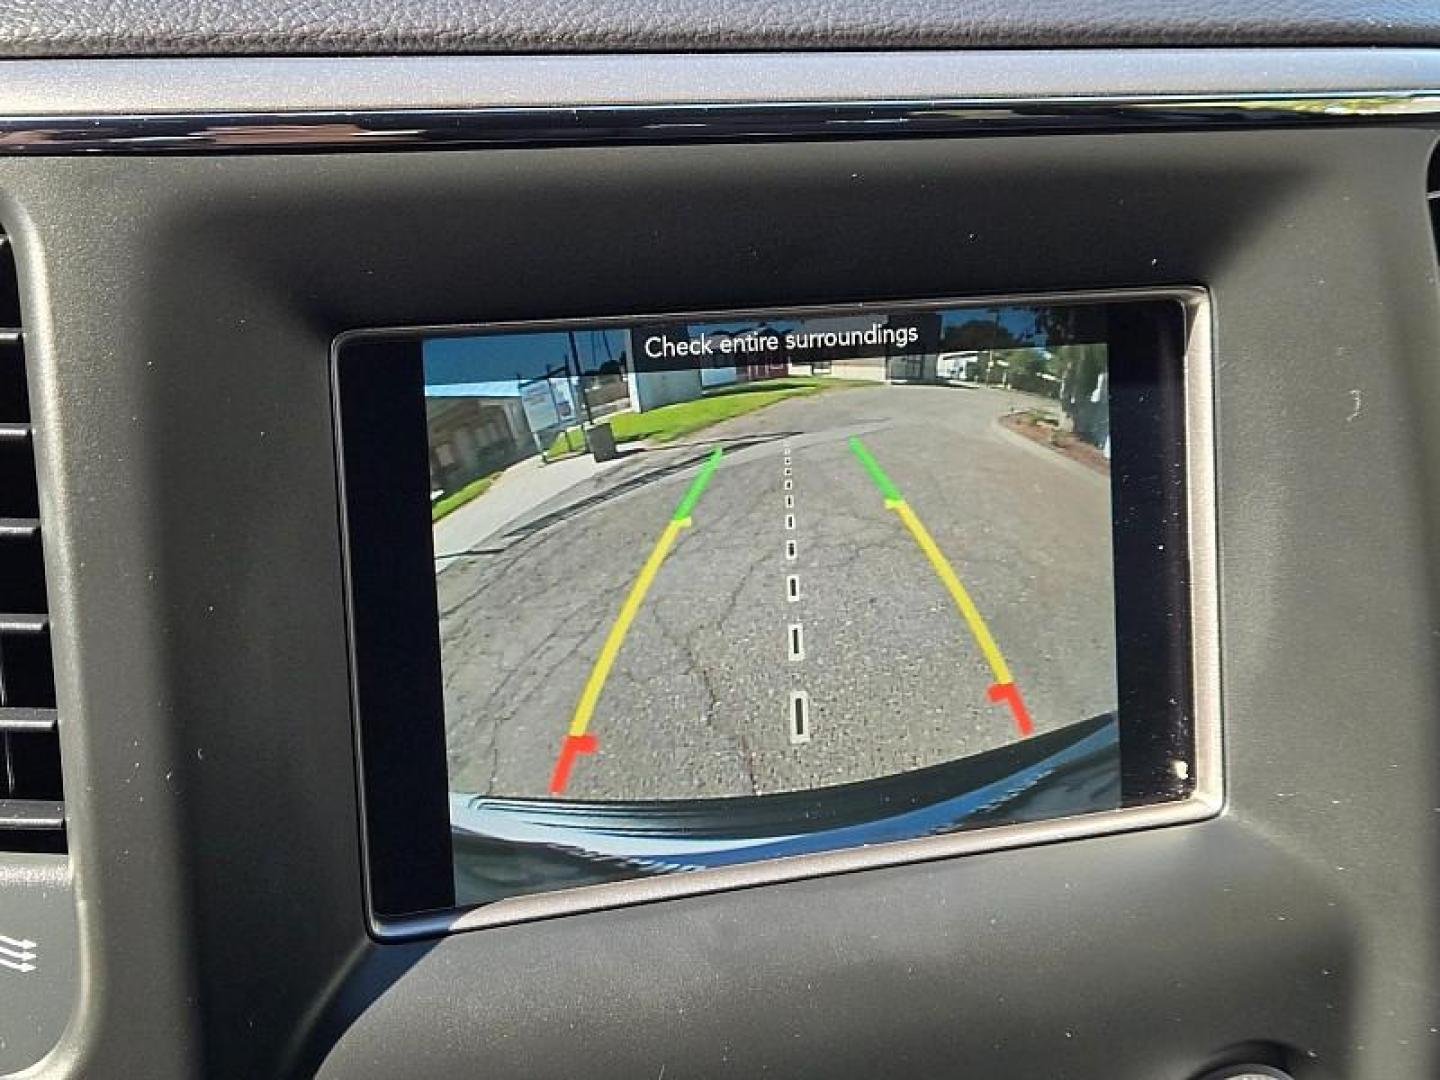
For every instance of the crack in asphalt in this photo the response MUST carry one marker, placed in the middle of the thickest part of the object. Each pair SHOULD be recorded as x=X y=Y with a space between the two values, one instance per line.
x=516 y=623
x=477 y=731
x=689 y=643
x=616 y=485
x=486 y=574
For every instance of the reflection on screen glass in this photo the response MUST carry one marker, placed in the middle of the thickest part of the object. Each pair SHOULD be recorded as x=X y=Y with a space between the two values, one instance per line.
x=712 y=592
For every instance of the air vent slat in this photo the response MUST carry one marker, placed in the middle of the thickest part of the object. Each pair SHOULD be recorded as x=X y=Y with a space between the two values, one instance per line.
x=32 y=814
x=19 y=528
x=32 y=808
x=24 y=625
x=41 y=721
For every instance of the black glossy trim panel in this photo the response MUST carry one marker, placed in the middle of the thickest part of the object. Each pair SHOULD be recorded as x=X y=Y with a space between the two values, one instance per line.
x=401 y=871
x=431 y=129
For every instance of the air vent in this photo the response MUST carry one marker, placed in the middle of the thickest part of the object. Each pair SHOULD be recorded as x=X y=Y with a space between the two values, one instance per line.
x=1432 y=188
x=32 y=811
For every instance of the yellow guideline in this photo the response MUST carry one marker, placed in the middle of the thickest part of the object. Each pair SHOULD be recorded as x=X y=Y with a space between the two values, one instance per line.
x=680 y=519
x=947 y=575
x=585 y=708
x=895 y=501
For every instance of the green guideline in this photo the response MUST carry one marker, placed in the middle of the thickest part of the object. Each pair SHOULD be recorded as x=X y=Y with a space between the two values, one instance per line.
x=697 y=486
x=884 y=483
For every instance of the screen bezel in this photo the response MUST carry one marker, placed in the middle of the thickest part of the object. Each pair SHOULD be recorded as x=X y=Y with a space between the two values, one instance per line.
x=399 y=724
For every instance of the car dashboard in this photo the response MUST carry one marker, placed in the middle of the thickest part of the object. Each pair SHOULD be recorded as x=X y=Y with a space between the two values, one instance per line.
x=928 y=567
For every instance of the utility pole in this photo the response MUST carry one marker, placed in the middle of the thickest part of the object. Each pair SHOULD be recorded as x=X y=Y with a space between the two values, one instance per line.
x=572 y=358
x=994 y=337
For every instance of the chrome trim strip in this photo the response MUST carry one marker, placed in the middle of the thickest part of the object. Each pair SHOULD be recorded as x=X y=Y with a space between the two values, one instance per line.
x=798 y=868
x=526 y=126
x=1203 y=543
x=1205 y=801
x=222 y=86
x=40 y=814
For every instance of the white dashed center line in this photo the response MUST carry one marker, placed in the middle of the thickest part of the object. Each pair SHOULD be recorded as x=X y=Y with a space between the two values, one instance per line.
x=798 y=713
x=797 y=641
x=799 y=717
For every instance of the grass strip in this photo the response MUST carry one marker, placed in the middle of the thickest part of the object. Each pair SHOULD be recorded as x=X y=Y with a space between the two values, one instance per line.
x=456 y=499
x=670 y=422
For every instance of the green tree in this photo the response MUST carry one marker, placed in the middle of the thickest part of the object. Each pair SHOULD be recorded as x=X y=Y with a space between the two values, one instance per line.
x=974 y=335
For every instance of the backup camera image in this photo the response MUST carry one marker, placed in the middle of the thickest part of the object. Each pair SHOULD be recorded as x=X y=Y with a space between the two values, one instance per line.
x=712 y=592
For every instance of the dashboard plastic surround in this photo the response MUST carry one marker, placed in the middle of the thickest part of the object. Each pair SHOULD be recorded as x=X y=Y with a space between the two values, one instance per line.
x=392 y=779
x=347 y=993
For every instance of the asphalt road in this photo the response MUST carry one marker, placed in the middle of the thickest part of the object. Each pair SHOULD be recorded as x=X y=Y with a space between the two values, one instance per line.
x=699 y=701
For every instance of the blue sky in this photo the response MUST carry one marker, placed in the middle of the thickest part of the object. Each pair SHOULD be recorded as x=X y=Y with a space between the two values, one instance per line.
x=1020 y=321
x=488 y=364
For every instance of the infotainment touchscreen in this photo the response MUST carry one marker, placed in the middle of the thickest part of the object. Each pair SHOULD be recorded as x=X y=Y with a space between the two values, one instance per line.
x=666 y=596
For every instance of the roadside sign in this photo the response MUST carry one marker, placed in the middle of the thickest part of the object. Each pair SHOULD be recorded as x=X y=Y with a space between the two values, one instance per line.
x=548 y=403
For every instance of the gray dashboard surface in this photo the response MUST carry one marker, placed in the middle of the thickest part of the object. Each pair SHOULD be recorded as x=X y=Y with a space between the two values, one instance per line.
x=260 y=84
x=58 y=28
x=180 y=311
